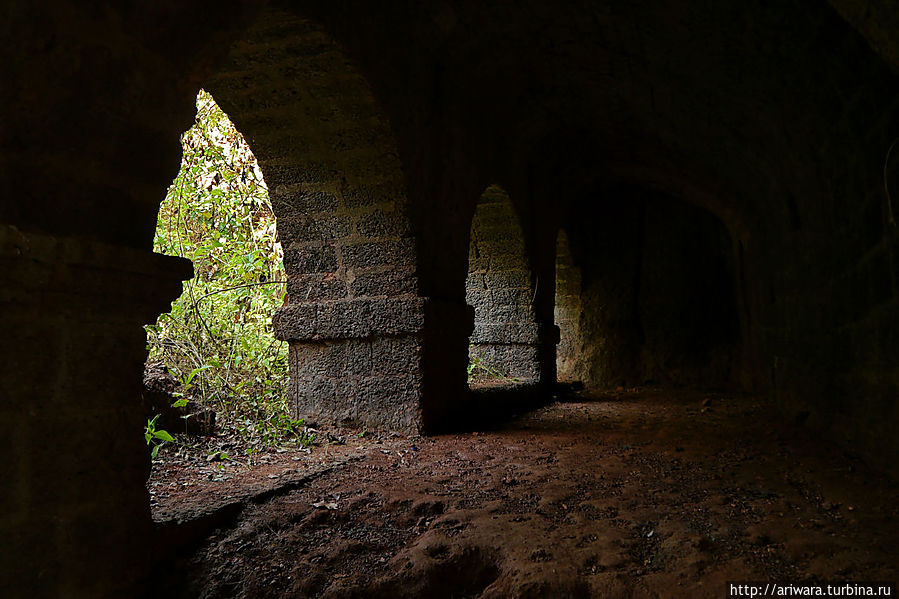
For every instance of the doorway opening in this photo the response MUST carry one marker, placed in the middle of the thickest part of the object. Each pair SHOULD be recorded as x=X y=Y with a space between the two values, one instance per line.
x=214 y=364
x=646 y=295
x=503 y=347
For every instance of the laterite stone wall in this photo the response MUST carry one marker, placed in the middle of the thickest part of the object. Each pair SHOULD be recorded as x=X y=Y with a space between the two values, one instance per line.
x=354 y=319
x=568 y=314
x=498 y=287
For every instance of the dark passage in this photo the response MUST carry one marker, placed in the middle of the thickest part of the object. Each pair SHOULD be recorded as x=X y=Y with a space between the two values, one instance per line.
x=655 y=287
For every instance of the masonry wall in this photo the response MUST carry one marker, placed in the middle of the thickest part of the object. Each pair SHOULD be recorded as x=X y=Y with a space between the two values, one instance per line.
x=354 y=319
x=88 y=146
x=75 y=517
x=828 y=316
x=568 y=313
x=499 y=288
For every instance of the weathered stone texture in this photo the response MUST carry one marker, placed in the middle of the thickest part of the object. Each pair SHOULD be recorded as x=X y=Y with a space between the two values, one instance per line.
x=358 y=382
x=498 y=287
x=568 y=314
x=337 y=192
x=69 y=362
x=349 y=319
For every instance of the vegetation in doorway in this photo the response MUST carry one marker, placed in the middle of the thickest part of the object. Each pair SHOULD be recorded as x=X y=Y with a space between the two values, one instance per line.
x=479 y=370
x=218 y=340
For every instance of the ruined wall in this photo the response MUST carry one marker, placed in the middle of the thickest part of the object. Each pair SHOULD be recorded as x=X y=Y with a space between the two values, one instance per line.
x=88 y=146
x=75 y=513
x=498 y=287
x=828 y=316
x=655 y=302
x=728 y=105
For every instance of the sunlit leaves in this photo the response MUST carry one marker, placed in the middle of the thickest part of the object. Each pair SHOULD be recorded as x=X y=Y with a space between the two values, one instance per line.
x=217 y=339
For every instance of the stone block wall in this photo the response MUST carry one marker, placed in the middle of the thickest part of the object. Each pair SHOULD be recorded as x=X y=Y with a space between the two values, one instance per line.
x=356 y=362
x=354 y=319
x=506 y=335
x=568 y=314
x=75 y=518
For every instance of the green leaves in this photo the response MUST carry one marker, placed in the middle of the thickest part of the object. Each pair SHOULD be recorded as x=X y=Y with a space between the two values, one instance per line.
x=218 y=339
x=155 y=438
x=163 y=435
x=479 y=369
x=190 y=377
x=218 y=456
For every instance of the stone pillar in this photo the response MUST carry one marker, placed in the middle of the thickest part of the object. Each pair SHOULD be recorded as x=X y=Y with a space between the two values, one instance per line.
x=355 y=321
x=373 y=362
x=356 y=362
x=74 y=510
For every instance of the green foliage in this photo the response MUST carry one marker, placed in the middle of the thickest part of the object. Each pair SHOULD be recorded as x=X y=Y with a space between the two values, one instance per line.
x=218 y=340
x=156 y=438
x=479 y=369
x=280 y=425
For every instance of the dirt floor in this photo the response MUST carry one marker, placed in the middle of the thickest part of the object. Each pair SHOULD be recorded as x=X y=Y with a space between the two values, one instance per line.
x=631 y=494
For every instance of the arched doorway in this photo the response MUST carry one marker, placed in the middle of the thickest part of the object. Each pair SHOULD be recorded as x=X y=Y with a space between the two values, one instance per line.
x=503 y=348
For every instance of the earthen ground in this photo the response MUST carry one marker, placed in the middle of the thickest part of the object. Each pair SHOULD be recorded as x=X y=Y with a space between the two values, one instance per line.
x=631 y=494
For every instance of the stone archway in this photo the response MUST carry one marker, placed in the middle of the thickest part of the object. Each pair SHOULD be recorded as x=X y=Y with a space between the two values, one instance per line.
x=353 y=319
x=504 y=343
